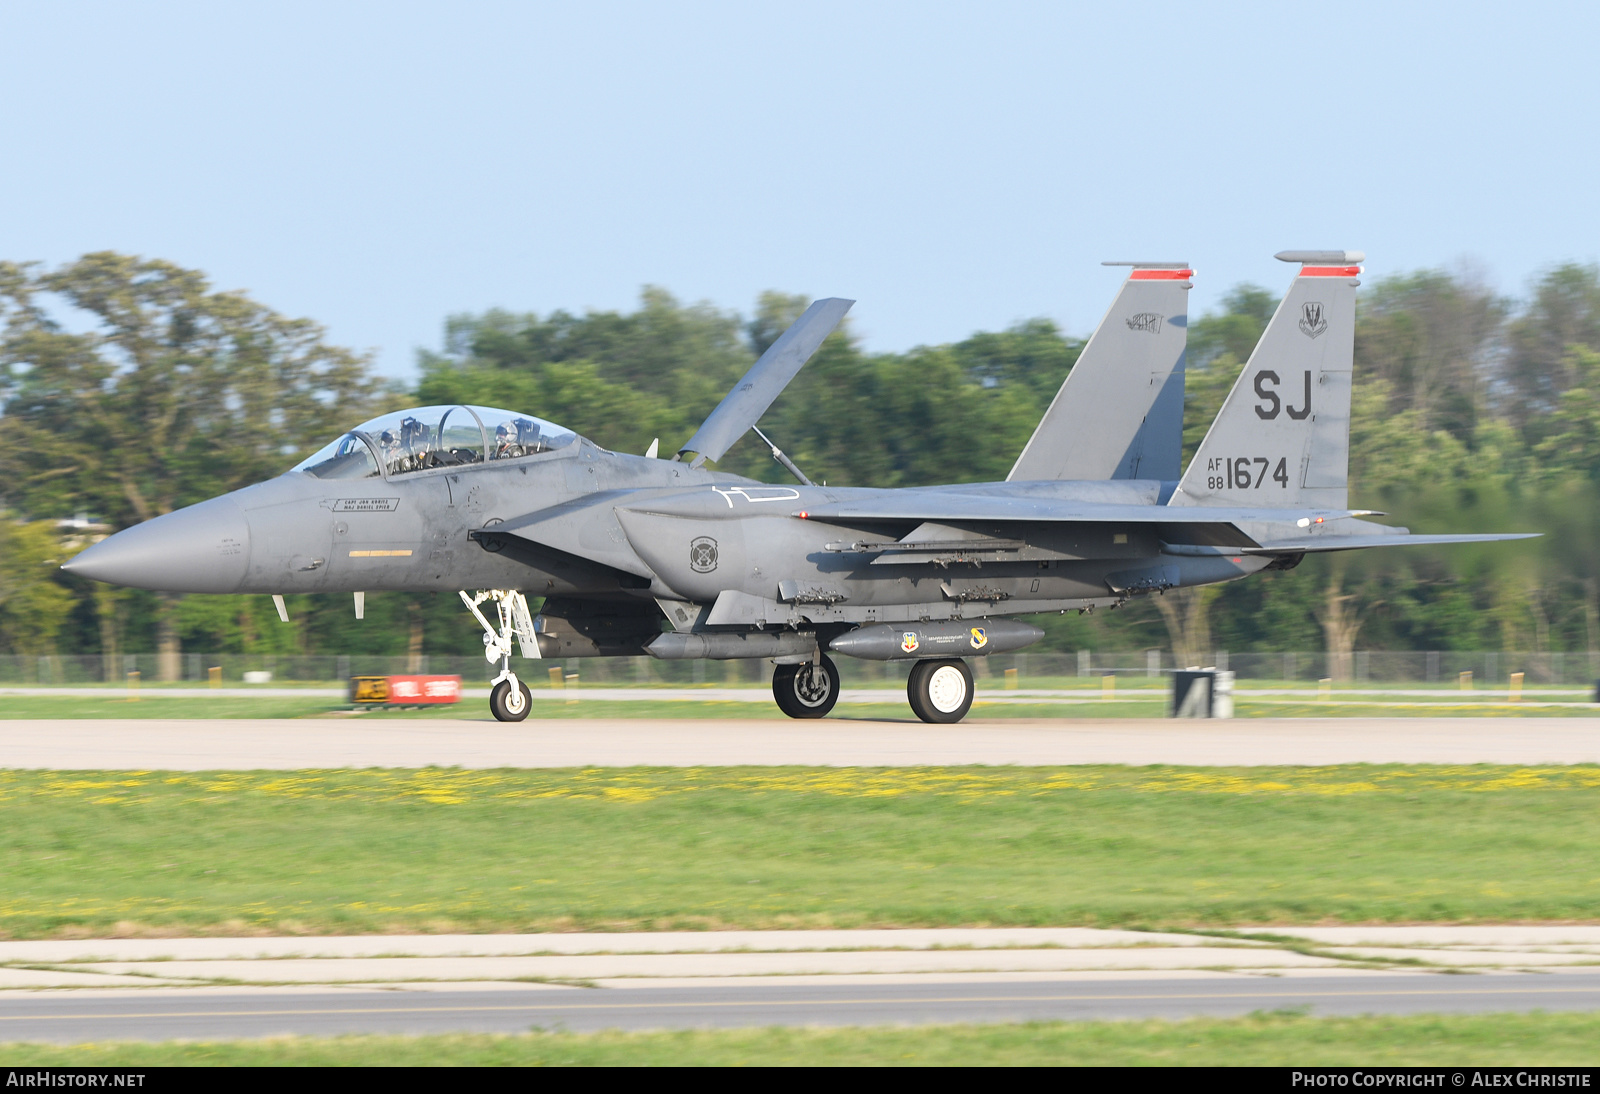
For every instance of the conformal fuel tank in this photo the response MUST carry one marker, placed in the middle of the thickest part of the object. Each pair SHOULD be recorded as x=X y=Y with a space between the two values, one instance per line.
x=951 y=638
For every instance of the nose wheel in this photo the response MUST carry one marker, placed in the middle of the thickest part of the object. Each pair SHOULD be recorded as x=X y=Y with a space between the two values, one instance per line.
x=510 y=699
x=940 y=691
x=806 y=691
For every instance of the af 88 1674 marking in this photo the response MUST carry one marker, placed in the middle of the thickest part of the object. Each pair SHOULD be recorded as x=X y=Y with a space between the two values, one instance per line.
x=1245 y=472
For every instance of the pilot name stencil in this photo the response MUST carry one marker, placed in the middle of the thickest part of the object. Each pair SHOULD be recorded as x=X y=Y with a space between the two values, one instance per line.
x=366 y=505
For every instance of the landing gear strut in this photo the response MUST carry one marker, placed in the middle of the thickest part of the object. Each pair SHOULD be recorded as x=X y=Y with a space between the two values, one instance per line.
x=940 y=691
x=510 y=698
x=806 y=691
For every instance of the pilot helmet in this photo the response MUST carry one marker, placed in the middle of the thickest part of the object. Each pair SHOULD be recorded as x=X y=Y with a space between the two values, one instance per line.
x=413 y=432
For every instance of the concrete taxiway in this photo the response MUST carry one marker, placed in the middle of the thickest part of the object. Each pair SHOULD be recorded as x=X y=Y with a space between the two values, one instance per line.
x=155 y=988
x=228 y=1013
x=372 y=741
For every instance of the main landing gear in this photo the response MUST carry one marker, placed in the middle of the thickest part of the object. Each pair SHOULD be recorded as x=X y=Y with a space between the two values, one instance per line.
x=510 y=698
x=940 y=691
x=806 y=691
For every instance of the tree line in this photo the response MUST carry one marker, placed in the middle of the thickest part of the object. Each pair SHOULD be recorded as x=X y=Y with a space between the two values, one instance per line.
x=130 y=387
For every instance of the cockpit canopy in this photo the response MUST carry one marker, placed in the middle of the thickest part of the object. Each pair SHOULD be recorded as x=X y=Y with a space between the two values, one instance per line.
x=427 y=437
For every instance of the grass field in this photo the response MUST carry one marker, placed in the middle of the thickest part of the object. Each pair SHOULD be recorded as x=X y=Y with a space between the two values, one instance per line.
x=1560 y=1039
x=91 y=854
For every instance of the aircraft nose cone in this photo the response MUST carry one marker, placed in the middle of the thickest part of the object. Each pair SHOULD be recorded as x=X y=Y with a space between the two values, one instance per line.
x=202 y=549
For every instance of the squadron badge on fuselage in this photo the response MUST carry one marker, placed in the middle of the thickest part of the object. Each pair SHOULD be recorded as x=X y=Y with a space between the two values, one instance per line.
x=703 y=554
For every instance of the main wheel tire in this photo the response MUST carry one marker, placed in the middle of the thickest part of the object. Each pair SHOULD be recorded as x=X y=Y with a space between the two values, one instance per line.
x=940 y=691
x=510 y=704
x=806 y=691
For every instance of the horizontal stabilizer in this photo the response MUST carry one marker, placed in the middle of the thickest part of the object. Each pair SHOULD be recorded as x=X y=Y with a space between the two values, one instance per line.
x=742 y=407
x=1321 y=543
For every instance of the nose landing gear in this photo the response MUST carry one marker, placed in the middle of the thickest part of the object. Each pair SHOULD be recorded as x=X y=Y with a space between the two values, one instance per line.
x=806 y=691
x=510 y=698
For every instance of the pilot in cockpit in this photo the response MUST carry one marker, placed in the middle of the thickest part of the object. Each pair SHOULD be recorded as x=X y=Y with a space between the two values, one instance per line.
x=406 y=450
x=517 y=437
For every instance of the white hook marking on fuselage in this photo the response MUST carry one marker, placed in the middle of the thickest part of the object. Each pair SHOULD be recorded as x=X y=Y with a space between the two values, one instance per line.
x=768 y=493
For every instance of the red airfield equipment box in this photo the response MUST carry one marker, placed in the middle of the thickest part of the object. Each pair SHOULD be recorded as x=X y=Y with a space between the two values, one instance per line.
x=405 y=690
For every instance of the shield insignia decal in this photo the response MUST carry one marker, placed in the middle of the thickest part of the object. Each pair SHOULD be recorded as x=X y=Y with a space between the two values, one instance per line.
x=980 y=639
x=908 y=642
x=1312 y=321
x=703 y=555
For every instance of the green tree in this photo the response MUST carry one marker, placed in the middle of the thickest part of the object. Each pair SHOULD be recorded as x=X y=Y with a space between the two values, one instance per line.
x=1564 y=312
x=33 y=605
x=1434 y=339
x=131 y=388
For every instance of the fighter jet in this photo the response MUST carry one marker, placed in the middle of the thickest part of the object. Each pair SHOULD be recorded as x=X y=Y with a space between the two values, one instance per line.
x=638 y=555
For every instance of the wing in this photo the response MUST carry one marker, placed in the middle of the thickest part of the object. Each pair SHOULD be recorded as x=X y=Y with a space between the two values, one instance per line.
x=922 y=505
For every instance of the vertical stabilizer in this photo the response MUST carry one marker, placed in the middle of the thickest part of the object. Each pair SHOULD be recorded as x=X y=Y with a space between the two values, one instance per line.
x=1282 y=437
x=1119 y=413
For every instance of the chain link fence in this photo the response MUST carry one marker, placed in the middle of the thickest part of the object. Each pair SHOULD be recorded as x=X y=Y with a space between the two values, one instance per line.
x=1439 y=667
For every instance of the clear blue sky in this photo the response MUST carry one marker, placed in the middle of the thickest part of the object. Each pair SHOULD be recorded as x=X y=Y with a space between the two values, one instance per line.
x=953 y=167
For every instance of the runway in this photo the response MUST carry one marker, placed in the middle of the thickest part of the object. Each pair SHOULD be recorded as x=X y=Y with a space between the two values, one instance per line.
x=221 y=1013
x=372 y=741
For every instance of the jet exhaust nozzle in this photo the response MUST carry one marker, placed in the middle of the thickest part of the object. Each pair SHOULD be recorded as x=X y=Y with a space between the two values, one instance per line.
x=953 y=638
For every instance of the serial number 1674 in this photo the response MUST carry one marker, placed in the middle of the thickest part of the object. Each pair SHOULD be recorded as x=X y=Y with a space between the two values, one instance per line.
x=1245 y=473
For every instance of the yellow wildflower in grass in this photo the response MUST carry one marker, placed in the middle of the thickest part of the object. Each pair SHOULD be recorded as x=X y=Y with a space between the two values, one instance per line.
x=453 y=786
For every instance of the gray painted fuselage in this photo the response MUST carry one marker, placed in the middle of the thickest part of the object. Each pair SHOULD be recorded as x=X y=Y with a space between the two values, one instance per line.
x=583 y=522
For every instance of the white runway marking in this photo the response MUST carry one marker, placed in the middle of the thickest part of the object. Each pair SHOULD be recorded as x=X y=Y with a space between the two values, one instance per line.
x=700 y=959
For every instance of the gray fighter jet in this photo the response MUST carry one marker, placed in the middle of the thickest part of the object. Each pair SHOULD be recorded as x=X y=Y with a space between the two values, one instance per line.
x=634 y=554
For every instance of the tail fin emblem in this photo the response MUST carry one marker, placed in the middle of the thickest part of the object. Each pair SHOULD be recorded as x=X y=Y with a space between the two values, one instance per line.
x=1146 y=321
x=1312 y=321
